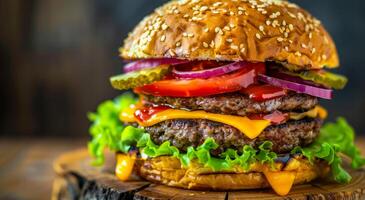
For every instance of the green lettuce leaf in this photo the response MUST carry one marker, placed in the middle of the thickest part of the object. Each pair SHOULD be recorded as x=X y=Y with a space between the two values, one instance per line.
x=108 y=132
x=342 y=135
x=335 y=138
x=106 y=129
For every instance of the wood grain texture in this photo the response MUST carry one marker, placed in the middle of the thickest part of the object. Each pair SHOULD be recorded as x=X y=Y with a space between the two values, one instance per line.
x=77 y=179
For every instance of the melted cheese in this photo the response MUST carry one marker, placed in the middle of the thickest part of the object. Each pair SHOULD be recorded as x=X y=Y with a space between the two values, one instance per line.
x=281 y=181
x=127 y=115
x=313 y=113
x=251 y=128
x=124 y=165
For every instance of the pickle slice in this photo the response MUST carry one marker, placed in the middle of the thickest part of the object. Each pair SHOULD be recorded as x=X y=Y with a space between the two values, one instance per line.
x=139 y=78
x=322 y=77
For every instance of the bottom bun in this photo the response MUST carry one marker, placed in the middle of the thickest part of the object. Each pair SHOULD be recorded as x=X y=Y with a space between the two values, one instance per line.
x=169 y=171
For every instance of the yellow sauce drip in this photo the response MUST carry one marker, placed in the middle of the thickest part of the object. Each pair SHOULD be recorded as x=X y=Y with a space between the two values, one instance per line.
x=281 y=182
x=124 y=166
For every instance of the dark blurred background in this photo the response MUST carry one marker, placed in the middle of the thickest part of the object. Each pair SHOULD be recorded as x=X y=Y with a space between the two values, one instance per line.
x=56 y=58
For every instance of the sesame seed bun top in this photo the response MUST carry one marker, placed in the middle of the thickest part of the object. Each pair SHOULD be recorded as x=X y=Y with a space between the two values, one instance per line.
x=232 y=30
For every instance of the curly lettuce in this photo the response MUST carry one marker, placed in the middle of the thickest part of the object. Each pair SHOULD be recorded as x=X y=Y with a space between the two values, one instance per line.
x=106 y=129
x=335 y=138
x=108 y=132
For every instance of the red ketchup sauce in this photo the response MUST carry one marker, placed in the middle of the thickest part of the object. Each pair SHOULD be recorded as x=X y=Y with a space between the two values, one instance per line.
x=275 y=118
x=146 y=113
x=263 y=92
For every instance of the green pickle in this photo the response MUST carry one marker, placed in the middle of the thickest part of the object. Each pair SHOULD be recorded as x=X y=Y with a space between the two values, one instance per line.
x=322 y=77
x=139 y=78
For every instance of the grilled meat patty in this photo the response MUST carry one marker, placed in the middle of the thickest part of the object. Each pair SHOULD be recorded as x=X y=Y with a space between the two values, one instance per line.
x=236 y=103
x=183 y=133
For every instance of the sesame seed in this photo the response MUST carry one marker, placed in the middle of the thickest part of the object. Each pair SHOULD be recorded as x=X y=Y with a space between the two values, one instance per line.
x=310 y=35
x=203 y=8
x=258 y=36
x=215 y=11
x=324 y=57
x=313 y=50
x=242 y=50
x=206 y=30
x=190 y=35
x=240 y=12
x=281 y=29
x=229 y=40
x=298 y=54
x=268 y=22
x=286 y=48
x=185 y=34
x=205 y=45
x=291 y=27
x=226 y=28
x=196 y=18
x=164 y=27
x=304 y=46
x=234 y=47
x=163 y=38
x=232 y=25
x=172 y=53
x=292 y=15
x=261 y=28
x=178 y=44
x=280 y=39
x=307 y=28
x=275 y=23
x=186 y=16
x=212 y=44
x=217 y=4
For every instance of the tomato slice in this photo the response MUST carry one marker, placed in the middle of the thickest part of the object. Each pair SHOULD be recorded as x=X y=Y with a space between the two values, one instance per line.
x=204 y=87
x=263 y=92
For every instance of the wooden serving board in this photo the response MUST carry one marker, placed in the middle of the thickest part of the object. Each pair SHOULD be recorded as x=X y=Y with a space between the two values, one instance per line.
x=77 y=179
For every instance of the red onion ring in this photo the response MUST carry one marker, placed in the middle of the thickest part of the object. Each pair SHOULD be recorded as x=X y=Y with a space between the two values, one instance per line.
x=152 y=62
x=298 y=87
x=208 y=73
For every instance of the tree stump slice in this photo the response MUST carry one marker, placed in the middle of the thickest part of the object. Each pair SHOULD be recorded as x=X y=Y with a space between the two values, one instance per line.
x=78 y=179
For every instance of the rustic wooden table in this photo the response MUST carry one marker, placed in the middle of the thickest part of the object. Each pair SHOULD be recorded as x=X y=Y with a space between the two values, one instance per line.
x=26 y=165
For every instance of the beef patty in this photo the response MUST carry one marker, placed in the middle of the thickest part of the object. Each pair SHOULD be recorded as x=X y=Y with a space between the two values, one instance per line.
x=236 y=103
x=183 y=133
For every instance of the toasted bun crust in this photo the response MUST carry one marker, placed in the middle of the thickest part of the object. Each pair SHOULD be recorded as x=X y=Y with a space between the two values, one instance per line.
x=252 y=30
x=168 y=170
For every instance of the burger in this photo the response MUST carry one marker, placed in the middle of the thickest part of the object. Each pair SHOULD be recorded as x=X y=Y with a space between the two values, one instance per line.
x=225 y=97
